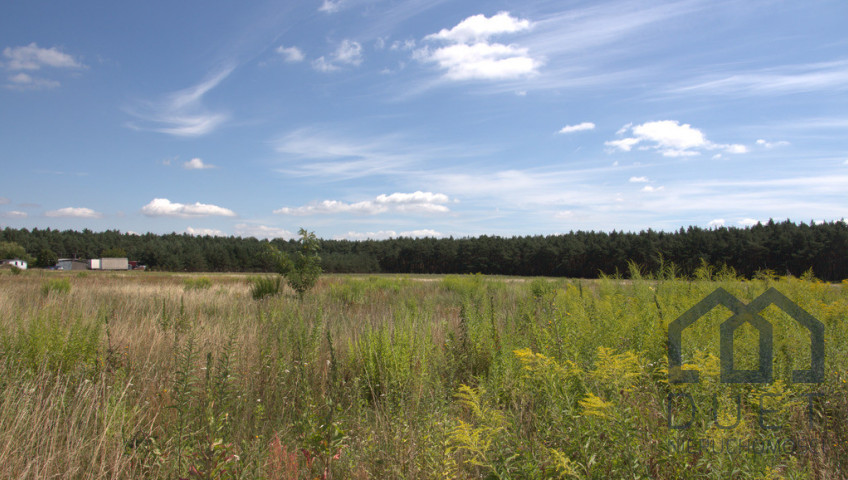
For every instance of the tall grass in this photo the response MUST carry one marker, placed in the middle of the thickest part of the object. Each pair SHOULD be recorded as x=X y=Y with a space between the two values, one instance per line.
x=142 y=376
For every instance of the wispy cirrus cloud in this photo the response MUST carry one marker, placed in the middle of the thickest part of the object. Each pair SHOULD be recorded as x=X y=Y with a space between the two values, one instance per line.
x=416 y=202
x=580 y=127
x=810 y=77
x=769 y=145
x=73 y=212
x=338 y=153
x=591 y=45
x=162 y=207
x=182 y=113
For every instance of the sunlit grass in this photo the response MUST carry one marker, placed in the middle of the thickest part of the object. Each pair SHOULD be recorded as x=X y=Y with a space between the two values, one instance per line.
x=145 y=375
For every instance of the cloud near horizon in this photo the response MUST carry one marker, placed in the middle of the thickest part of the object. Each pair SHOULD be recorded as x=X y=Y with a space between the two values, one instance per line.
x=417 y=202
x=162 y=207
x=262 y=231
x=387 y=234
x=73 y=212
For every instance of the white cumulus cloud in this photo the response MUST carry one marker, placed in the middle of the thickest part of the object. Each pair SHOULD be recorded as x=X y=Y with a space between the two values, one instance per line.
x=24 y=81
x=291 y=54
x=670 y=138
x=74 y=212
x=470 y=55
x=650 y=189
x=33 y=57
x=625 y=144
x=196 y=164
x=748 y=222
x=580 y=127
x=162 y=207
x=638 y=179
x=670 y=134
x=348 y=52
x=417 y=202
x=330 y=6
x=478 y=28
x=735 y=148
x=14 y=214
x=718 y=222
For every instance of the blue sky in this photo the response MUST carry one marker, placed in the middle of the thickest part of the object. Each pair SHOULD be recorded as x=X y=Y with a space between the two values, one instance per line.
x=370 y=119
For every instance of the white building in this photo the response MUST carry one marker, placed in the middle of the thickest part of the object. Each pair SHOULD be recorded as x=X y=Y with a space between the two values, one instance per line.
x=16 y=262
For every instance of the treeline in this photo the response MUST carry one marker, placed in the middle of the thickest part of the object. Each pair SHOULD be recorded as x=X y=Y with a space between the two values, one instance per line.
x=783 y=247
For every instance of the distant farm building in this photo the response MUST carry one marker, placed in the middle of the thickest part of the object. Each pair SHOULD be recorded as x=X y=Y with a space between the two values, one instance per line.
x=72 y=264
x=110 y=263
x=15 y=262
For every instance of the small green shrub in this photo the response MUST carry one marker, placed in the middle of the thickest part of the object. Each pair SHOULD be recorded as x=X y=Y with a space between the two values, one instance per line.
x=58 y=285
x=15 y=270
x=201 y=283
x=540 y=288
x=261 y=287
x=48 y=342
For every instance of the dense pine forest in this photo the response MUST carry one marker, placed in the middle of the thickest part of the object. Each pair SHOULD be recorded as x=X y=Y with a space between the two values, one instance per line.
x=786 y=248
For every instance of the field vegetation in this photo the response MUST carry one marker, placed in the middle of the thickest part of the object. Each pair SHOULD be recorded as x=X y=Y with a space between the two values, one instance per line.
x=153 y=375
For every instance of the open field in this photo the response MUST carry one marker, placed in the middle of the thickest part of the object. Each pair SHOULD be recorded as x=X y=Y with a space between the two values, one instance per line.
x=147 y=375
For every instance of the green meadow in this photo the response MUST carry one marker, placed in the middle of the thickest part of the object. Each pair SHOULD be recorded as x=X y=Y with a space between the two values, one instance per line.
x=148 y=375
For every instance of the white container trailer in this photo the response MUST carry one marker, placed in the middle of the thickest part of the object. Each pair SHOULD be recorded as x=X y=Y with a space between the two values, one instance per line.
x=114 y=264
x=95 y=264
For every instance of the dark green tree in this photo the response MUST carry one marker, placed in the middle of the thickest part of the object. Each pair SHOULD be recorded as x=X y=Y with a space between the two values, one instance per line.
x=115 y=252
x=46 y=258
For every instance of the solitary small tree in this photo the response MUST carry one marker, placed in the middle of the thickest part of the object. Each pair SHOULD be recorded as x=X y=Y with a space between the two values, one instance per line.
x=303 y=271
